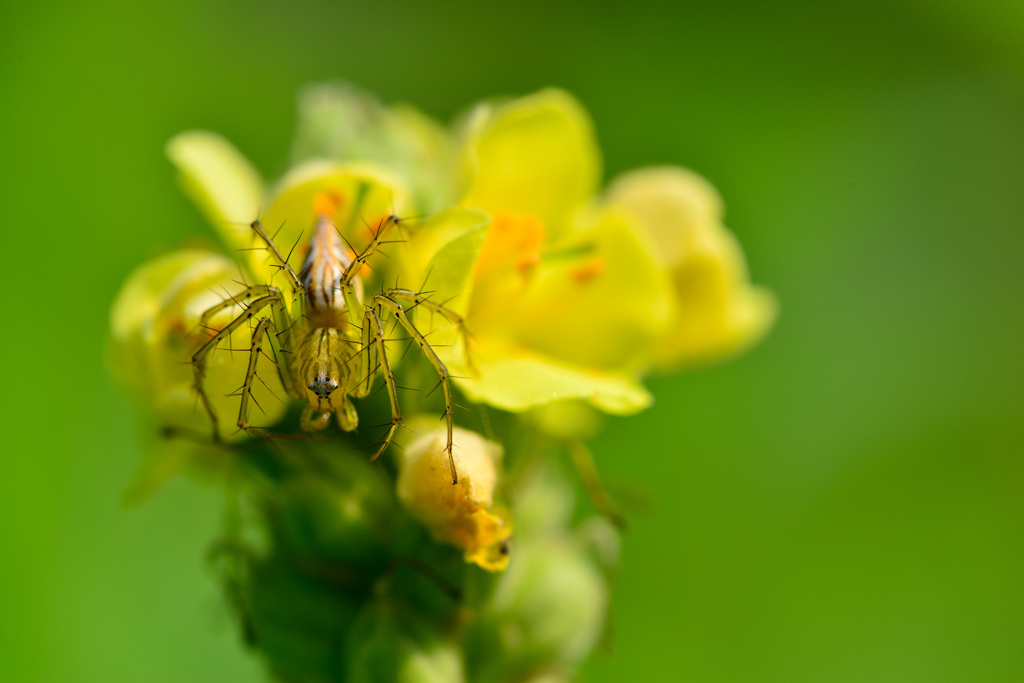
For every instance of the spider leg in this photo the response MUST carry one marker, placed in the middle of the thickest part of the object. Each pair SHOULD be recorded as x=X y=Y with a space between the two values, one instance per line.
x=373 y=330
x=352 y=301
x=283 y=322
x=451 y=316
x=241 y=299
x=367 y=361
x=282 y=261
x=250 y=373
x=245 y=393
x=272 y=297
x=383 y=301
x=352 y=270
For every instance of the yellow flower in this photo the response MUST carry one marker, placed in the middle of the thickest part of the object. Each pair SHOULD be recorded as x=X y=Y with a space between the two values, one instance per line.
x=718 y=312
x=573 y=296
x=462 y=515
x=155 y=328
x=566 y=294
x=562 y=294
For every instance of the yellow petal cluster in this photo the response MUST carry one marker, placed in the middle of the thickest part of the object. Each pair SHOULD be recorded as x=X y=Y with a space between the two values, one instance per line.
x=155 y=329
x=463 y=514
x=718 y=312
x=567 y=293
x=576 y=296
x=570 y=295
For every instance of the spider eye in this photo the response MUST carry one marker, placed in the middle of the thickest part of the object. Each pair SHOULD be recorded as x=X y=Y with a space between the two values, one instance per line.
x=312 y=386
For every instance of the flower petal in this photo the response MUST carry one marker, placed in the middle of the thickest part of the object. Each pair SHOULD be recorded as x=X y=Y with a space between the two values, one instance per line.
x=364 y=196
x=603 y=305
x=222 y=183
x=536 y=155
x=155 y=330
x=673 y=204
x=515 y=379
x=148 y=308
x=441 y=255
x=719 y=312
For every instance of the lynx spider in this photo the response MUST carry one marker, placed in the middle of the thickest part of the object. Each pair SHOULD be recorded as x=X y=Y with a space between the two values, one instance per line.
x=332 y=340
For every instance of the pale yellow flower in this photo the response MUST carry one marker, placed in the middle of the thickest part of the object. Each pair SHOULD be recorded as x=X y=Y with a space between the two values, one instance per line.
x=464 y=514
x=718 y=312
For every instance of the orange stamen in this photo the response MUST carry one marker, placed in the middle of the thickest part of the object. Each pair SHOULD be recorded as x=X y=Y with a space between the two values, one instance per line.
x=589 y=270
x=377 y=223
x=327 y=203
x=513 y=241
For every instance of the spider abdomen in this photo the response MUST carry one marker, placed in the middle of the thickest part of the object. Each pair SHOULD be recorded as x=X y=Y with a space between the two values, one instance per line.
x=322 y=272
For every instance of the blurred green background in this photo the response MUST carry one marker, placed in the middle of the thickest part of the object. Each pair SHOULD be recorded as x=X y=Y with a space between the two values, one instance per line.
x=842 y=504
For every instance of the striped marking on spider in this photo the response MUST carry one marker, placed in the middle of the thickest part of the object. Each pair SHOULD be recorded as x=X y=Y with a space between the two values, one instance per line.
x=332 y=340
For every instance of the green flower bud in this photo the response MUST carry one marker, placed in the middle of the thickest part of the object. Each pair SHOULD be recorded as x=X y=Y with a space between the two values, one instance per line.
x=546 y=612
x=391 y=645
x=544 y=503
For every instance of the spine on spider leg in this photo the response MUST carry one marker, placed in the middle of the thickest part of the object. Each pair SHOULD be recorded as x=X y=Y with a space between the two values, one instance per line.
x=250 y=374
x=282 y=260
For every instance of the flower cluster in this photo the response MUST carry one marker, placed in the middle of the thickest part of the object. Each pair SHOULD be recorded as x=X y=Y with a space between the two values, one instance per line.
x=544 y=296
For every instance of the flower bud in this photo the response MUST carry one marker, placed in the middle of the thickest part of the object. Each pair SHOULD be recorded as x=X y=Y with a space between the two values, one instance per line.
x=719 y=312
x=546 y=612
x=391 y=645
x=339 y=122
x=544 y=502
x=459 y=514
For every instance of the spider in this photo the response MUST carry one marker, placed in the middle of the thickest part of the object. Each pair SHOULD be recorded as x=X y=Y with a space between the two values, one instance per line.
x=332 y=339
